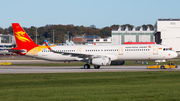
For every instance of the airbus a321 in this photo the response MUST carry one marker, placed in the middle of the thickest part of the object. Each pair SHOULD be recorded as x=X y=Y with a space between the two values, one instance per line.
x=97 y=55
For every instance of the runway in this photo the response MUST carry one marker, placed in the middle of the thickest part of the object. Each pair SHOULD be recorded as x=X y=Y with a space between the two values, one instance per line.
x=67 y=69
x=74 y=69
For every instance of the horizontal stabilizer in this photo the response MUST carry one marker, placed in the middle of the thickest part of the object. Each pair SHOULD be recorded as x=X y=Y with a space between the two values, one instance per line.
x=16 y=50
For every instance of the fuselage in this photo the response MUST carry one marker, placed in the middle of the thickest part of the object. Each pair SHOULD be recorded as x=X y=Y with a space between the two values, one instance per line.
x=115 y=52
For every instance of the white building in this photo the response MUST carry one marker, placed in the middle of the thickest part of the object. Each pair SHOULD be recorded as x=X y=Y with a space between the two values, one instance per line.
x=167 y=32
x=103 y=41
x=132 y=35
x=6 y=42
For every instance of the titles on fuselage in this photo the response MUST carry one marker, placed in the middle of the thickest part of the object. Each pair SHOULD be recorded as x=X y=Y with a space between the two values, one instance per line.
x=137 y=47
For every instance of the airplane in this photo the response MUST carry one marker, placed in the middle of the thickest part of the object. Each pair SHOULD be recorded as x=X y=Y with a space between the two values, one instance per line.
x=72 y=43
x=69 y=43
x=98 y=55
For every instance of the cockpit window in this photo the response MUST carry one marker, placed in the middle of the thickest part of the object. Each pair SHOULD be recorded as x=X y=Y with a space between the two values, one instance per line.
x=166 y=49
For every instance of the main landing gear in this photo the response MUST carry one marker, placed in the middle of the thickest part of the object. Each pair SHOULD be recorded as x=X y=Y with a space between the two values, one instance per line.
x=87 y=66
x=96 y=67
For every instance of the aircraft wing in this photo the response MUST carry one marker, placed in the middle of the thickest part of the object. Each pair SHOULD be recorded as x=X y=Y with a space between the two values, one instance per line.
x=79 y=55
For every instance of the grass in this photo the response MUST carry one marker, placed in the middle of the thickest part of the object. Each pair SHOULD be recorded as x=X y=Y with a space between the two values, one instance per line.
x=122 y=86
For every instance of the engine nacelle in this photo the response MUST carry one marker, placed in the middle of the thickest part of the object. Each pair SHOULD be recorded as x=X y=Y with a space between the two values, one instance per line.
x=100 y=61
x=117 y=62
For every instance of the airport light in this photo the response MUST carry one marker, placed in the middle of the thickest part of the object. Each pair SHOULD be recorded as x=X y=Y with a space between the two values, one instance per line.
x=68 y=35
x=53 y=36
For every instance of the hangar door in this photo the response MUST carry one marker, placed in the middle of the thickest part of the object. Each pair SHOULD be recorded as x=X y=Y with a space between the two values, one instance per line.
x=144 y=38
x=130 y=38
x=116 y=39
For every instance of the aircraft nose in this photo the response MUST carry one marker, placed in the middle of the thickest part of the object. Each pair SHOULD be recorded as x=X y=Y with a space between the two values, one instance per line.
x=174 y=55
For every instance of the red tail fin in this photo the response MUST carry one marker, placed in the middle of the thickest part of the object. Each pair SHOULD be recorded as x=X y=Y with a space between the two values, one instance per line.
x=23 y=41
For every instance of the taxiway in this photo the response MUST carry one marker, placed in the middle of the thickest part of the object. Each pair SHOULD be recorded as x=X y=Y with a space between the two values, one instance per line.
x=74 y=69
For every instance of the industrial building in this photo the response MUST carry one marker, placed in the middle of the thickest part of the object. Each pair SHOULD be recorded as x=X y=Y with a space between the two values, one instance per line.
x=84 y=39
x=167 y=32
x=120 y=36
x=103 y=41
x=6 y=42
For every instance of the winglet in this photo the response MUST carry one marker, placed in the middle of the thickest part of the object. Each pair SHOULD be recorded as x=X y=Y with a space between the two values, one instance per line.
x=47 y=44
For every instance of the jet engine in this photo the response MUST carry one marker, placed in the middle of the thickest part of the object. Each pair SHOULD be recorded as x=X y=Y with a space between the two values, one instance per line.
x=117 y=62
x=101 y=61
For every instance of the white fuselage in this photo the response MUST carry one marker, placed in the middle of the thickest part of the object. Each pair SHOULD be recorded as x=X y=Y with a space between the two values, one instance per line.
x=115 y=52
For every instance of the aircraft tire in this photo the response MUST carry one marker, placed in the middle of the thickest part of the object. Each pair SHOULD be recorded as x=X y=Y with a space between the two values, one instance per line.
x=86 y=66
x=96 y=67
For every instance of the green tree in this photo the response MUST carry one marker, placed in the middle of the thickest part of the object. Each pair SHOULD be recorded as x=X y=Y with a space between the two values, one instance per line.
x=1 y=30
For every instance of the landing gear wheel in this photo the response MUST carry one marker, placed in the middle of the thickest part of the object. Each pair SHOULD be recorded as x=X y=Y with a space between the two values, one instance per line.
x=96 y=67
x=86 y=66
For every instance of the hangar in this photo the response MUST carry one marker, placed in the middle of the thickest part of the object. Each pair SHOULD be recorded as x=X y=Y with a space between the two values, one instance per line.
x=121 y=36
x=167 y=32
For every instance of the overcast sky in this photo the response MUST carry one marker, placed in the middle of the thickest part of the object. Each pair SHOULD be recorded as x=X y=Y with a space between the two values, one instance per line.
x=100 y=13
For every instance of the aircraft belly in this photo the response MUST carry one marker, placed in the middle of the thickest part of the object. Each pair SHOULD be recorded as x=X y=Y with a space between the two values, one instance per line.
x=133 y=56
x=55 y=56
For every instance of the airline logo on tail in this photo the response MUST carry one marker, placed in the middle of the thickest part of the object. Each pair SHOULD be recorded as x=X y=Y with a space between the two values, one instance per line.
x=21 y=36
x=67 y=43
x=24 y=43
x=72 y=43
x=47 y=44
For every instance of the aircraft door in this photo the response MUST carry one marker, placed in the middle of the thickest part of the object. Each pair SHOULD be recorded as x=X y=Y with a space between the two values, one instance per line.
x=120 y=50
x=78 y=50
x=155 y=50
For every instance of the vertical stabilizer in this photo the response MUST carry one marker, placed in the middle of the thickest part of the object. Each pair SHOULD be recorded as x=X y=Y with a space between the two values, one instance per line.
x=23 y=41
